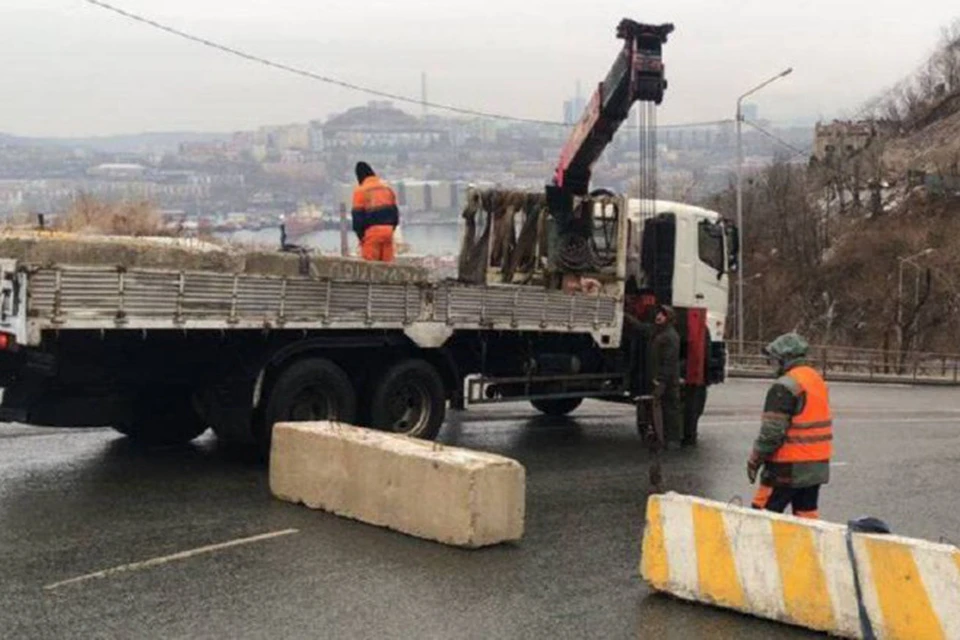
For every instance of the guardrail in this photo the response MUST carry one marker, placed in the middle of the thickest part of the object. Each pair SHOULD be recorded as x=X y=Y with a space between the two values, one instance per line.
x=854 y=365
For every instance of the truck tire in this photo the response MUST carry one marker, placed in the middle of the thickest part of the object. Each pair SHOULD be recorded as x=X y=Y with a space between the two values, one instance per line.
x=409 y=398
x=312 y=389
x=557 y=406
x=163 y=417
x=694 y=403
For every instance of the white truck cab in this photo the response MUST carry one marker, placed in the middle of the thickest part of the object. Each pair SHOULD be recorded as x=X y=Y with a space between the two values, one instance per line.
x=704 y=252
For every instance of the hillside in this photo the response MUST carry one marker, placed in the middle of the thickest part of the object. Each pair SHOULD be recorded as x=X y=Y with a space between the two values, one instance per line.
x=864 y=249
x=934 y=148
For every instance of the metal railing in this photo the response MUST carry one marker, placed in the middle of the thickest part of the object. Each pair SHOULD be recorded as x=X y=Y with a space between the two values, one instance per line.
x=854 y=365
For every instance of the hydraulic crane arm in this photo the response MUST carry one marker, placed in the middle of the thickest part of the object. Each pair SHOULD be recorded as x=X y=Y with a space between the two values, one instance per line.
x=636 y=75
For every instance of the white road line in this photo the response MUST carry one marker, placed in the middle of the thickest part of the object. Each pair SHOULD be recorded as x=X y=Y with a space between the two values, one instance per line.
x=182 y=555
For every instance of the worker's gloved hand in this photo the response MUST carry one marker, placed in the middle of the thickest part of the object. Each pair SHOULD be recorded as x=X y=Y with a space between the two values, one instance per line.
x=753 y=466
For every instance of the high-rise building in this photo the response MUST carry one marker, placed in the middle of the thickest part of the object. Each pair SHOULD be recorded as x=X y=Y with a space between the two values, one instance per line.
x=573 y=108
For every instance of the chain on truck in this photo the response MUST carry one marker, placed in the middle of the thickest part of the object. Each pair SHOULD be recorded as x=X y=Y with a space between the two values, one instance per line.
x=537 y=312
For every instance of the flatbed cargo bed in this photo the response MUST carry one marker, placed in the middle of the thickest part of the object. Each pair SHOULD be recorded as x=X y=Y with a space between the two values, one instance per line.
x=76 y=297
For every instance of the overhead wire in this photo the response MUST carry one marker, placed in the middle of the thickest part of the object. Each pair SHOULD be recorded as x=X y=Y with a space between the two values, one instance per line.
x=797 y=151
x=310 y=74
x=345 y=84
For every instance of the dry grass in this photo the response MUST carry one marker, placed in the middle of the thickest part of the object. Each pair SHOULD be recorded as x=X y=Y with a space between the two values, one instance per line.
x=90 y=215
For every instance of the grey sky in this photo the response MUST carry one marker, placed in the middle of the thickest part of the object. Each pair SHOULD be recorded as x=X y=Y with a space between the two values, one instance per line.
x=70 y=69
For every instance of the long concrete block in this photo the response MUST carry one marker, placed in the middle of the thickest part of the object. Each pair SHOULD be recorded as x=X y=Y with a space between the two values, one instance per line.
x=187 y=254
x=799 y=571
x=454 y=496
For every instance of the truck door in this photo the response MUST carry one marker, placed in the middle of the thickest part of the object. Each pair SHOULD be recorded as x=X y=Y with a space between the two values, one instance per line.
x=658 y=252
x=711 y=279
x=685 y=291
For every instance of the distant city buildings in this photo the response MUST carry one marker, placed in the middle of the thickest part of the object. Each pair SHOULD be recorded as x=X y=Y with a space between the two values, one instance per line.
x=279 y=170
x=118 y=171
x=380 y=126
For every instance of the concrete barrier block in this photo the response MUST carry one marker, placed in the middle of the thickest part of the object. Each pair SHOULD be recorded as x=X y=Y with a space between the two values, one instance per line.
x=451 y=495
x=911 y=588
x=799 y=571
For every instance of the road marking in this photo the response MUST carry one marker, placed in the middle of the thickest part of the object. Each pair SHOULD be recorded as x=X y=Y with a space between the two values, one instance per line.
x=182 y=555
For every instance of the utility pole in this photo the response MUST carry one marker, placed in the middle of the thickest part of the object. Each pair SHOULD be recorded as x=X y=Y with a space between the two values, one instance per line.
x=740 y=269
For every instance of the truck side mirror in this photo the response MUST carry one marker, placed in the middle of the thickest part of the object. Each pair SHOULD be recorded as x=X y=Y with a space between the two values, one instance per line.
x=733 y=247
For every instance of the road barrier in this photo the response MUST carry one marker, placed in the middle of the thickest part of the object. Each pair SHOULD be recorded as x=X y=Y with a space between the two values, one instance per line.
x=855 y=365
x=454 y=496
x=800 y=571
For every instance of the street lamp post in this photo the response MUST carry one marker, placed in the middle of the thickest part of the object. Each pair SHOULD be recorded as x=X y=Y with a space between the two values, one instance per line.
x=782 y=74
x=902 y=261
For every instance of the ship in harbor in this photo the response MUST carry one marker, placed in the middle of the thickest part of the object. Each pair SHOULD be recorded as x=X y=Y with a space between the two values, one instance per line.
x=307 y=219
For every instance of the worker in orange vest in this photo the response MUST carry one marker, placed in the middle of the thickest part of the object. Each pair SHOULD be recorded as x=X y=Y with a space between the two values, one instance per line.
x=796 y=440
x=375 y=215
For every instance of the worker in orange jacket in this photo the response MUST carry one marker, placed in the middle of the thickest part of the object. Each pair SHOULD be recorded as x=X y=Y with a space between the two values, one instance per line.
x=375 y=215
x=796 y=440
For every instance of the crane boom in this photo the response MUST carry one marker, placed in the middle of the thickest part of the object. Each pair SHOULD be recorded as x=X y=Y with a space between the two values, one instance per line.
x=636 y=75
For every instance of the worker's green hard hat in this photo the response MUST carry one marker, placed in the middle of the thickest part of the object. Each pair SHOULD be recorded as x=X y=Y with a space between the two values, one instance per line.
x=789 y=346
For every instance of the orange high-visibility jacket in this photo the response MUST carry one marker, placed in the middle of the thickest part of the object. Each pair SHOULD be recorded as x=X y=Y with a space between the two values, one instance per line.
x=374 y=203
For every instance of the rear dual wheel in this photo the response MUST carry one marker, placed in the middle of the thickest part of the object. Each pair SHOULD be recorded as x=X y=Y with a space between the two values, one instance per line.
x=408 y=398
x=309 y=390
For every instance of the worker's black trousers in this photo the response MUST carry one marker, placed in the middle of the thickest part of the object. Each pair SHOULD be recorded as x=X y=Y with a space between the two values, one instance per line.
x=803 y=501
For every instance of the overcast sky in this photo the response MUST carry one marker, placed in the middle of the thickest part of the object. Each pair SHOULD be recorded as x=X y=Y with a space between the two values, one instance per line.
x=71 y=69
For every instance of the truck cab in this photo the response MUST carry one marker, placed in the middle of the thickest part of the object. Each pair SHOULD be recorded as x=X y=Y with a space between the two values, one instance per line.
x=687 y=258
x=682 y=255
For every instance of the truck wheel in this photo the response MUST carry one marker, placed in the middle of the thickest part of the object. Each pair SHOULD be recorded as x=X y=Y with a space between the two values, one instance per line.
x=309 y=390
x=694 y=402
x=163 y=417
x=409 y=398
x=557 y=406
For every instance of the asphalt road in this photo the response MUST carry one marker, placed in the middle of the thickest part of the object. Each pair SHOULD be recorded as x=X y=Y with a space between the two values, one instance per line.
x=80 y=501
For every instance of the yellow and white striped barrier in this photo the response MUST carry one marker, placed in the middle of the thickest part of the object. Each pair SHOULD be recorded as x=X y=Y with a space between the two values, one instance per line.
x=799 y=571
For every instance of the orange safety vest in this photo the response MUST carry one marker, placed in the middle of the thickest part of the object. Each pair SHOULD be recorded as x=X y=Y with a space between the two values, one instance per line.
x=810 y=434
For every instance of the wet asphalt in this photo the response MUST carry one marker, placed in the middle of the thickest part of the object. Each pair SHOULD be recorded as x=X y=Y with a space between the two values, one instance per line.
x=73 y=502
